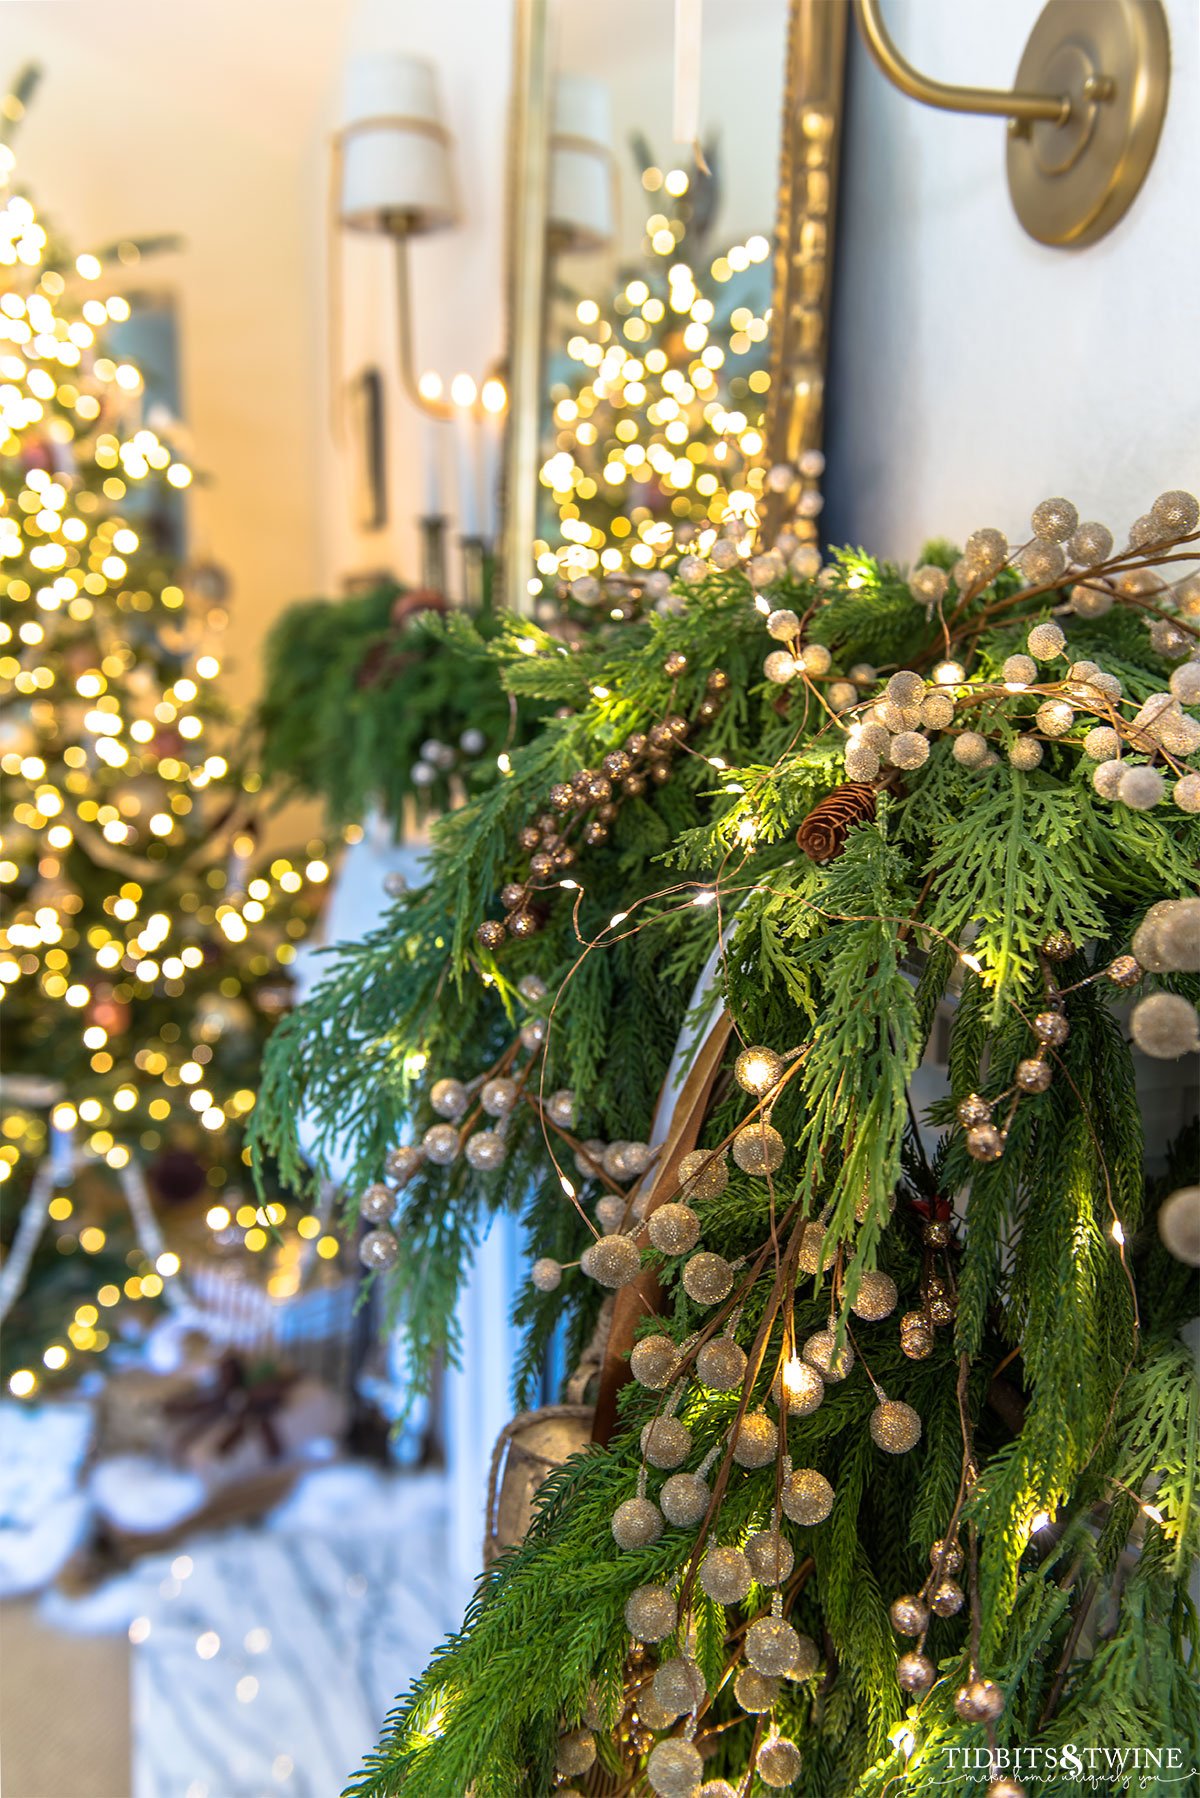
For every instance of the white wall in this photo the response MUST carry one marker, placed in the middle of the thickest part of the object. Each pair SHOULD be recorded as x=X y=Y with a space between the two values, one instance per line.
x=975 y=371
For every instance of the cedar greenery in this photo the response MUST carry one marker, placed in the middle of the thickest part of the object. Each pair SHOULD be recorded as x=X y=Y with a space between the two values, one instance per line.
x=1075 y=1389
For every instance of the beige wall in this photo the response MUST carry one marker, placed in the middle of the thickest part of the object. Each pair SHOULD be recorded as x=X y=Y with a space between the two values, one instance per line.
x=203 y=119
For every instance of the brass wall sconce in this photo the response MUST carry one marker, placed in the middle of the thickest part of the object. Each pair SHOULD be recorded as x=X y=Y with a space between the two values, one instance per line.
x=1084 y=117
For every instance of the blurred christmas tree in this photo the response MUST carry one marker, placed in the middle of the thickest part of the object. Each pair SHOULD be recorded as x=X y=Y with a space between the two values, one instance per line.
x=657 y=400
x=143 y=953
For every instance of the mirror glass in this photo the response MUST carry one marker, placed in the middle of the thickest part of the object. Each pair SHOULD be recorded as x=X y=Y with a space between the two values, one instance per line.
x=658 y=280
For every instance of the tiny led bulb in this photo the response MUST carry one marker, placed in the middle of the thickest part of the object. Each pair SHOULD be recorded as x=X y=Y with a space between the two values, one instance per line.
x=463 y=391
x=430 y=385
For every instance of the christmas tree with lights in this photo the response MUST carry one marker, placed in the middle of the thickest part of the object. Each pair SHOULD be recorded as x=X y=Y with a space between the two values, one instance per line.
x=144 y=953
x=798 y=987
x=657 y=400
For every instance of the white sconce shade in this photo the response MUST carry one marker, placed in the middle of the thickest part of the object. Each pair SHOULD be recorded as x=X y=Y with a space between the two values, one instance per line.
x=395 y=150
x=582 y=213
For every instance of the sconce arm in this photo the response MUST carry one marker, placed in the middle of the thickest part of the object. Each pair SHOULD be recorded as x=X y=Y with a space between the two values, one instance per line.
x=439 y=408
x=1027 y=108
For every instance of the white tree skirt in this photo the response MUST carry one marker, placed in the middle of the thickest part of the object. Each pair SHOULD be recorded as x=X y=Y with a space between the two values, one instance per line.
x=265 y=1660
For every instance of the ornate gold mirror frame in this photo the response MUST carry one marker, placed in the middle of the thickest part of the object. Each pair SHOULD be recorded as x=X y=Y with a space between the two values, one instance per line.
x=814 y=83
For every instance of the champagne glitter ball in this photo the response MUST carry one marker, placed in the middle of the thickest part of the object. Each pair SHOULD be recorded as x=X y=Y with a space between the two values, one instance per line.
x=1042 y=563
x=1179 y=1224
x=440 y=1144
x=778 y=1762
x=815 y=1253
x=1045 y=642
x=703 y=1174
x=1055 y=717
x=755 y=1692
x=876 y=1297
x=533 y=1034
x=821 y=1352
x=1176 y=512
x=654 y=1362
x=707 y=1278
x=908 y=749
x=575 y=1752
x=610 y=1212
x=803 y=1385
x=906 y=688
x=637 y=1523
x=979 y=1701
x=679 y=1686
x=783 y=625
x=402 y=1163
x=1026 y=753
x=757 y=1070
x=613 y=1261
x=915 y=1673
x=1054 y=520
x=378 y=1249
x=560 y=1108
x=726 y=1575
x=985 y=1143
x=1165 y=1026
x=808 y=1659
x=780 y=666
x=1033 y=1074
x=546 y=1273
x=675 y=1767
x=986 y=551
x=807 y=1496
x=916 y=1336
x=1140 y=788
x=721 y=1365
x=717 y=1788
x=949 y=1557
x=936 y=1234
x=377 y=1203
x=862 y=763
x=684 y=1499
x=973 y=1110
x=449 y=1098
x=651 y=1613
x=485 y=1150
x=758 y=1148
x=1090 y=543
x=928 y=583
x=895 y=1426
x=909 y=1615
x=666 y=1442
x=490 y=934
x=816 y=659
x=1005 y=1788
x=673 y=1229
x=498 y=1096
x=1124 y=970
x=937 y=711
x=947 y=1598
x=771 y=1557
x=970 y=749
x=757 y=1441
x=772 y=1646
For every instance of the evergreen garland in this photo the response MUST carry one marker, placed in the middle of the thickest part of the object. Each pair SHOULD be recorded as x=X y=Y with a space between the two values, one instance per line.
x=991 y=891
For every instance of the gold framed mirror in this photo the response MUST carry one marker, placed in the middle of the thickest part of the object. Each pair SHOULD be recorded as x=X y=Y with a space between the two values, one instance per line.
x=740 y=227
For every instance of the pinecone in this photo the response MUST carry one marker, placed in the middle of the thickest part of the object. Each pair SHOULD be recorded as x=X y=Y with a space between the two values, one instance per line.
x=822 y=836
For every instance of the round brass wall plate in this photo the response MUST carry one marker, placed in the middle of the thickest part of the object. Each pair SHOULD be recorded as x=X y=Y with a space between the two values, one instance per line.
x=1071 y=183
